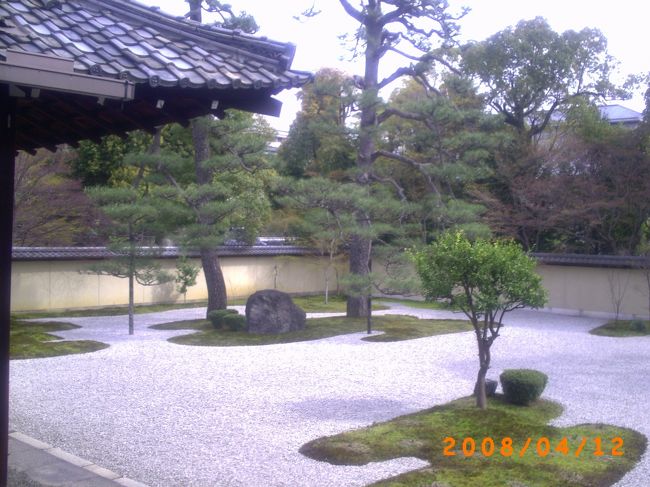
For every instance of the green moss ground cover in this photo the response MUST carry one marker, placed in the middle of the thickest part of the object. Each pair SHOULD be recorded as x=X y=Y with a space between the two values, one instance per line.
x=396 y=327
x=311 y=304
x=419 y=304
x=622 y=328
x=423 y=434
x=316 y=303
x=34 y=340
x=109 y=310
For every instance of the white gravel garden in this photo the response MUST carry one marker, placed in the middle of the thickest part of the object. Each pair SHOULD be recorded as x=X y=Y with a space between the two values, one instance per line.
x=175 y=415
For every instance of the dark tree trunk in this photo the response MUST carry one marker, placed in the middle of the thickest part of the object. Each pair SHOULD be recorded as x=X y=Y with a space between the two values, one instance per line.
x=357 y=306
x=361 y=247
x=484 y=361
x=216 y=285
x=195 y=12
x=217 y=297
x=201 y=144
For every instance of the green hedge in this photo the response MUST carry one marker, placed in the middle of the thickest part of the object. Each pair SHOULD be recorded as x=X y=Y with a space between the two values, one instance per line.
x=217 y=317
x=234 y=322
x=522 y=386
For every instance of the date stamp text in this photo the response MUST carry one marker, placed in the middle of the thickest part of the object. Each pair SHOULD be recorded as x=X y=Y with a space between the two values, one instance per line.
x=542 y=446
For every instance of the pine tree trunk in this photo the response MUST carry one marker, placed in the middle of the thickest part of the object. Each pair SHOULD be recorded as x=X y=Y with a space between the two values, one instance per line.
x=357 y=306
x=216 y=285
x=217 y=297
x=361 y=247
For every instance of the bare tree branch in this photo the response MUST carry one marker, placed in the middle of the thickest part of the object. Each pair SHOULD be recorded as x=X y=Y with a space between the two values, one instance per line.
x=351 y=11
x=403 y=71
x=389 y=112
x=421 y=167
x=400 y=190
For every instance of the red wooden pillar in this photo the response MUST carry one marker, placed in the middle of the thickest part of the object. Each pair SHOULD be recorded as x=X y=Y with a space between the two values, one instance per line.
x=7 y=165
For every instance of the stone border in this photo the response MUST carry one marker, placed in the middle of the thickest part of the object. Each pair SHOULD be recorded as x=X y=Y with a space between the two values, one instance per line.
x=76 y=461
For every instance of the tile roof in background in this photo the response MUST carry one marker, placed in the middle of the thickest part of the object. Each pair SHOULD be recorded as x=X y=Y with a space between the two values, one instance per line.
x=614 y=261
x=620 y=114
x=126 y=40
x=94 y=253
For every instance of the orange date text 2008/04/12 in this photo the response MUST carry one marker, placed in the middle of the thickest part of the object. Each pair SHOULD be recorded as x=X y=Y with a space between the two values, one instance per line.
x=542 y=446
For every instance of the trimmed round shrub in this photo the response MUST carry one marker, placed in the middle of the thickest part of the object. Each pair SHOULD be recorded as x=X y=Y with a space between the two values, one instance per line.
x=217 y=316
x=522 y=386
x=234 y=322
x=638 y=325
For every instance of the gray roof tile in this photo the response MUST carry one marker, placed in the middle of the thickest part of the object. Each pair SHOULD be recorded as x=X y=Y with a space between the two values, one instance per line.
x=18 y=6
x=79 y=253
x=120 y=35
x=620 y=261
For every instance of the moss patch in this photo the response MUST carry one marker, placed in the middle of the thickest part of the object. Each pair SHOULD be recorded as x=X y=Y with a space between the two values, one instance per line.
x=110 y=310
x=316 y=303
x=423 y=434
x=396 y=328
x=622 y=328
x=412 y=303
x=34 y=340
x=311 y=304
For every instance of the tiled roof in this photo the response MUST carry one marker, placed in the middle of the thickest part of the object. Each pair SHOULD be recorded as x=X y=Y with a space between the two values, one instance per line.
x=63 y=61
x=126 y=40
x=615 y=261
x=93 y=253
x=620 y=114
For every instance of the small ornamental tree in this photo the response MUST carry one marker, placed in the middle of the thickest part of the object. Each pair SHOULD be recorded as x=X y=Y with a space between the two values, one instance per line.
x=186 y=274
x=485 y=280
x=132 y=232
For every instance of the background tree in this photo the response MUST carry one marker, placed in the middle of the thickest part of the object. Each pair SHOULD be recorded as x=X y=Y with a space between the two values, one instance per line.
x=582 y=191
x=228 y=18
x=329 y=212
x=132 y=234
x=535 y=78
x=320 y=140
x=485 y=280
x=186 y=274
x=438 y=150
x=407 y=28
x=101 y=163
x=327 y=209
x=530 y=72
x=643 y=250
x=51 y=208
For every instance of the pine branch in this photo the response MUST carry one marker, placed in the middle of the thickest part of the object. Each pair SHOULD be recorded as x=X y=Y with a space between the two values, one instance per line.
x=421 y=167
x=351 y=11
x=390 y=112
x=398 y=73
x=400 y=190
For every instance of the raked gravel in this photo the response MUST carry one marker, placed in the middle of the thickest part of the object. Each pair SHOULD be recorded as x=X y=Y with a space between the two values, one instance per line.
x=172 y=415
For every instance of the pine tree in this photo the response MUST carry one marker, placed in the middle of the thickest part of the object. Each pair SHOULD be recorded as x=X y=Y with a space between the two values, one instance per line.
x=409 y=29
x=132 y=233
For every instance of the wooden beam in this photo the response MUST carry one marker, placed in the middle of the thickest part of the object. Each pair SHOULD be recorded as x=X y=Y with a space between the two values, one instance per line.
x=52 y=73
x=7 y=167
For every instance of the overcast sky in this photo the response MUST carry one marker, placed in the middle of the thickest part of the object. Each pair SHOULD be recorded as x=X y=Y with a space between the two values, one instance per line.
x=625 y=23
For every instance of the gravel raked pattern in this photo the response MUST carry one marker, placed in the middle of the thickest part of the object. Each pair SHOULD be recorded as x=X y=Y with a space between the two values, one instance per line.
x=172 y=415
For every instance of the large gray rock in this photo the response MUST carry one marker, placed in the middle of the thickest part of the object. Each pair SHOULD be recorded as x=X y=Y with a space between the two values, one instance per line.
x=271 y=311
